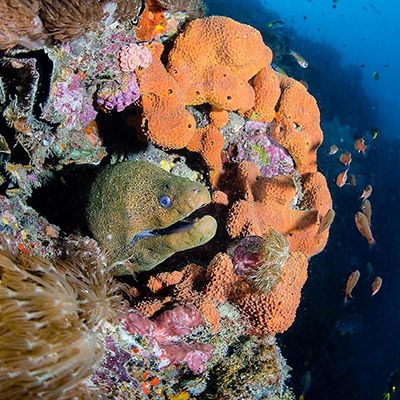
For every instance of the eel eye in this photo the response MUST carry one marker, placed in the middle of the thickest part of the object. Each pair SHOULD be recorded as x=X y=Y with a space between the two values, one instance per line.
x=165 y=201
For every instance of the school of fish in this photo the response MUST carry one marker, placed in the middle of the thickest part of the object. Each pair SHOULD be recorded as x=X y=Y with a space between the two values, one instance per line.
x=362 y=218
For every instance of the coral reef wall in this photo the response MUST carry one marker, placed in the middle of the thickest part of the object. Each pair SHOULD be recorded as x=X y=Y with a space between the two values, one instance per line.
x=207 y=148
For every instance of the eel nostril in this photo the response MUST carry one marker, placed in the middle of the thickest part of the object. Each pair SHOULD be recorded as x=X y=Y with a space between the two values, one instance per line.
x=196 y=191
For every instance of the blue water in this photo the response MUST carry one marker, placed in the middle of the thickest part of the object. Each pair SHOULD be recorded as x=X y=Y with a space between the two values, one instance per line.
x=364 y=32
x=350 y=351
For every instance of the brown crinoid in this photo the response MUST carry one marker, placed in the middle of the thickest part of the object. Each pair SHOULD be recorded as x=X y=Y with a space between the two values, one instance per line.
x=127 y=9
x=19 y=23
x=195 y=8
x=50 y=315
x=68 y=19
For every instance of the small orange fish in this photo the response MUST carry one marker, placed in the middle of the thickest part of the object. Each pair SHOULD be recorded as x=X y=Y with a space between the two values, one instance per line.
x=366 y=209
x=341 y=178
x=364 y=228
x=154 y=382
x=351 y=283
x=360 y=145
x=376 y=285
x=145 y=388
x=345 y=158
x=326 y=221
x=366 y=192
x=333 y=150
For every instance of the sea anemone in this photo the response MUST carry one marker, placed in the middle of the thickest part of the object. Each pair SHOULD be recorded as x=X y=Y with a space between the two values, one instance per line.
x=275 y=256
x=50 y=315
x=20 y=24
x=259 y=259
x=69 y=19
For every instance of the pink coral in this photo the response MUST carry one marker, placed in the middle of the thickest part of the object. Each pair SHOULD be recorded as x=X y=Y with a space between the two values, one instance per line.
x=166 y=332
x=195 y=355
x=133 y=56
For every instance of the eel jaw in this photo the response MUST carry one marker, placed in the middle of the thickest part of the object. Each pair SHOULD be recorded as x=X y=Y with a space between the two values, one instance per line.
x=186 y=223
x=150 y=249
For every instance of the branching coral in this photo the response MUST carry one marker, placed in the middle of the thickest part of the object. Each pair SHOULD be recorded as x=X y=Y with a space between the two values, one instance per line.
x=50 y=313
x=68 y=19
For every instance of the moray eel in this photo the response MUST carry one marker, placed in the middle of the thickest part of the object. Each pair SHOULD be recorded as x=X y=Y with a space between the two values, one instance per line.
x=141 y=215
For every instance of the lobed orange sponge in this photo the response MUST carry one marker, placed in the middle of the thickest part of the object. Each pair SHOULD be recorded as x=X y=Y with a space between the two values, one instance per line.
x=163 y=280
x=149 y=307
x=266 y=86
x=213 y=60
x=270 y=202
x=220 y=280
x=166 y=121
x=270 y=312
x=297 y=124
x=209 y=142
x=274 y=312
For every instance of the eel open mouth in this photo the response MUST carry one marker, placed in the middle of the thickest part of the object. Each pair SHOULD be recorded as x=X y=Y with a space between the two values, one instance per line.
x=182 y=225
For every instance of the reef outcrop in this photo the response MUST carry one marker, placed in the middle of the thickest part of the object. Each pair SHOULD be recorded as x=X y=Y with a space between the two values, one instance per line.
x=181 y=114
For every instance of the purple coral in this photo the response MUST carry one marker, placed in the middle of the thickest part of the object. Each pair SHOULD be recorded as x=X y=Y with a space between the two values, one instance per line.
x=113 y=367
x=166 y=333
x=119 y=94
x=73 y=103
x=257 y=146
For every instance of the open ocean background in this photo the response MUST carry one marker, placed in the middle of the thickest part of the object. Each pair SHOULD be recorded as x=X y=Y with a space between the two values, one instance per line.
x=350 y=351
